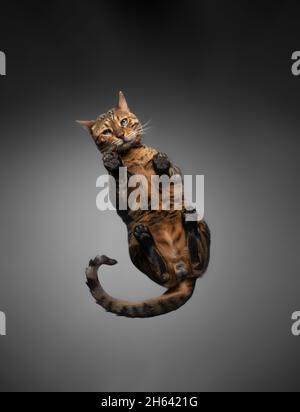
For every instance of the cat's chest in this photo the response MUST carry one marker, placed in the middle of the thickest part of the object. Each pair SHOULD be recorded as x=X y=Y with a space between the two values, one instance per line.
x=139 y=162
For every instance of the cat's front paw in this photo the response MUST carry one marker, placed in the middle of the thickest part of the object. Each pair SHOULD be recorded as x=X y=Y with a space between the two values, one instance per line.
x=161 y=163
x=112 y=161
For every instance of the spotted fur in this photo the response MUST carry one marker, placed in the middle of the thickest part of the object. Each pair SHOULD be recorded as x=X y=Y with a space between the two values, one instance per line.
x=170 y=249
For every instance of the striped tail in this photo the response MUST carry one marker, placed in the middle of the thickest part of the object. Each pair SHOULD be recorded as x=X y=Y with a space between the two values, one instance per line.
x=173 y=299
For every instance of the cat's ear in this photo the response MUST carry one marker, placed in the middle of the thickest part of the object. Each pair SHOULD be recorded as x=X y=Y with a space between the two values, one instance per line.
x=122 y=104
x=86 y=124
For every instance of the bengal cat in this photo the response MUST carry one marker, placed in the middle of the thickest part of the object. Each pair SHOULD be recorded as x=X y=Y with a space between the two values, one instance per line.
x=170 y=249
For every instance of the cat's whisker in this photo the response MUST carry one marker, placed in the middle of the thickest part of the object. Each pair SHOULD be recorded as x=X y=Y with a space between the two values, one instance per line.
x=134 y=133
x=143 y=128
x=146 y=124
x=143 y=131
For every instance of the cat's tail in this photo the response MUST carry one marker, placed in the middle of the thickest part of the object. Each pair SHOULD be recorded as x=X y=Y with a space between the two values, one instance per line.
x=173 y=299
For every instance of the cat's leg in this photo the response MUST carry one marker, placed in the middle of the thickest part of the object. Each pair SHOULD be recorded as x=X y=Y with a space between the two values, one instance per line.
x=112 y=162
x=161 y=164
x=193 y=240
x=204 y=231
x=146 y=241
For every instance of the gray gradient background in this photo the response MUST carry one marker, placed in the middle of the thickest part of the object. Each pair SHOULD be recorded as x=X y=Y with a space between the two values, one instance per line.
x=215 y=79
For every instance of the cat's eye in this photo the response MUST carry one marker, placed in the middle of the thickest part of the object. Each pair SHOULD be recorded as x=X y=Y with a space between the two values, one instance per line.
x=124 y=122
x=107 y=132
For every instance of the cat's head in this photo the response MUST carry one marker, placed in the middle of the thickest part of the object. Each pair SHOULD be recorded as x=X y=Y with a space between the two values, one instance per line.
x=118 y=129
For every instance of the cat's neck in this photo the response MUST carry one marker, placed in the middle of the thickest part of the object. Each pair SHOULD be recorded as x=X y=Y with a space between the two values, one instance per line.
x=133 y=152
x=139 y=155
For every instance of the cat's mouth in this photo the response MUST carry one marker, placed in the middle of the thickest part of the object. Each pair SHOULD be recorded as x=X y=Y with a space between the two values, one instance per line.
x=127 y=143
x=128 y=139
x=124 y=140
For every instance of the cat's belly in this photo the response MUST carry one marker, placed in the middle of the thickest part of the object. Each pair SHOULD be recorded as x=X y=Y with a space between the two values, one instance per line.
x=170 y=239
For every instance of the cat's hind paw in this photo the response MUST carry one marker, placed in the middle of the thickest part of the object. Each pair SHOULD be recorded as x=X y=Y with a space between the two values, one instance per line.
x=142 y=233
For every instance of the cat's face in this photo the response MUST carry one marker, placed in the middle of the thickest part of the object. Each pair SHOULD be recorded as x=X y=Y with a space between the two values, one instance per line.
x=118 y=129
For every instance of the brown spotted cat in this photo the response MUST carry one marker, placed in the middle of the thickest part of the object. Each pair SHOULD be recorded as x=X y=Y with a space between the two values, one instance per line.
x=171 y=250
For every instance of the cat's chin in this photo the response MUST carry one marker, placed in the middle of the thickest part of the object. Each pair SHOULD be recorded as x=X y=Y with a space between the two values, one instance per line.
x=126 y=146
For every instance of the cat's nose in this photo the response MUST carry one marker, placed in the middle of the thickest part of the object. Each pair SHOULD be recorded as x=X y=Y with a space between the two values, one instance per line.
x=120 y=134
